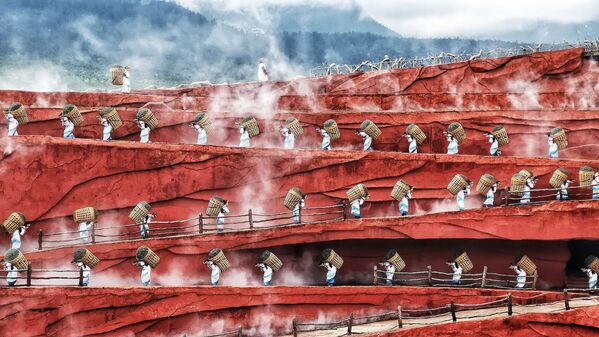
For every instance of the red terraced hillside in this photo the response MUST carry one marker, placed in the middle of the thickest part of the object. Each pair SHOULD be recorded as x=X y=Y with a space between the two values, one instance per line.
x=176 y=311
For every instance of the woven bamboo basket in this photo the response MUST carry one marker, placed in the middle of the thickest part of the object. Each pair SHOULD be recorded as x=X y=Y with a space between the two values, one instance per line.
x=518 y=183
x=251 y=125
x=117 y=73
x=113 y=117
x=293 y=124
x=592 y=262
x=585 y=176
x=87 y=257
x=559 y=135
x=457 y=131
x=204 y=121
x=370 y=129
x=16 y=258
x=13 y=222
x=330 y=126
x=414 y=131
x=140 y=212
x=357 y=192
x=400 y=190
x=559 y=176
x=393 y=257
x=18 y=111
x=485 y=183
x=526 y=264
x=147 y=116
x=85 y=214
x=294 y=197
x=215 y=205
x=464 y=261
x=458 y=183
x=218 y=257
x=271 y=260
x=73 y=114
x=329 y=255
x=526 y=173
x=148 y=256
x=500 y=133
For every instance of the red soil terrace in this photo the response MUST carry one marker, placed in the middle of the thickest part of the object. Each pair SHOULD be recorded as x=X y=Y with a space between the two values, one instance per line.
x=47 y=178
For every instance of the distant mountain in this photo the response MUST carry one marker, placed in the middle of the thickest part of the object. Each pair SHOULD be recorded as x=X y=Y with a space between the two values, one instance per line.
x=71 y=44
x=551 y=32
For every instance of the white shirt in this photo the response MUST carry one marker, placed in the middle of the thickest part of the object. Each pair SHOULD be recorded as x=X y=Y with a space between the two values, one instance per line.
x=146 y=272
x=12 y=274
x=262 y=72
x=390 y=270
x=69 y=127
x=16 y=237
x=592 y=278
x=202 y=135
x=244 y=139
x=326 y=140
x=144 y=228
x=214 y=272
x=107 y=129
x=367 y=140
x=144 y=135
x=331 y=271
x=267 y=270
x=457 y=272
x=12 y=125
x=452 y=147
x=289 y=142
x=126 y=81
x=413 y=147
x=84 y=230
x=520 y=278
x=86 y=272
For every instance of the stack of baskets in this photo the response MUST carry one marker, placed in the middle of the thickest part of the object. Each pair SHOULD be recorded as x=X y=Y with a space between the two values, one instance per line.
x=414 y=131
x=117 y=73
x=485 y=183
x=251 y=126
x=87 y=214
x=458 y=183
x=369 y=128
x=329 y=255
x=559 y=136
x=140 y=212
x=357 y=192
x=16 y=258
x=457 y=131
x=13 y=222
x=112 y=116
x=592 y=262
x=294 y=197
x=526 y=264
x=559 y=176
x=526 y=173
x=462 y=259
x=271 y=260
x=294 y=126
x=393 y=257
x=86 y=257
x=500 y=134
x=148 y=256
x=215 y=205
x=72 y=113
x=204 y=121
x=218 y=258
x=400 y=190
x=330 y=126
x=147 y=116
x=585 y=176
x=18 y=111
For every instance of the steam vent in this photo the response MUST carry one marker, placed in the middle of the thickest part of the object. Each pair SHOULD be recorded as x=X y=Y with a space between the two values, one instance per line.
x=235 y=218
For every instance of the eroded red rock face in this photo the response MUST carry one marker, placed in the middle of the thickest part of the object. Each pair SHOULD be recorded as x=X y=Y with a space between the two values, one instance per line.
x=176 y=311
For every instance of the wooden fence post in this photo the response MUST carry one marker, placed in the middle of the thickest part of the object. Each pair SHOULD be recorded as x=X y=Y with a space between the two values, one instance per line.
x=93 y=232
x=81 y=277
x=39 y=239
x=299 y=214
x=201 y=223
x=29 y=272
x=509 y=304
x=239 y=331
x=534 y=280
x=374 y=276
x=484 y=280
x=350 y=322
x=294 y=324
x=430 y=275
x=344 y=205
x=250 y=219
x=399 y=322
x=507 y=196
x=452 y=308
x=566 y=299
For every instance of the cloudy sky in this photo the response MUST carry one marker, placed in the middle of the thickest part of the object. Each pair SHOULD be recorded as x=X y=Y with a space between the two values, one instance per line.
x=548 y=20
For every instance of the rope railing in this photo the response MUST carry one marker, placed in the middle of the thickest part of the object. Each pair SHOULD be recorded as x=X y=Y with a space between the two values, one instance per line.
x=510 y=198
x=191 y=226
x=238 y=332
x=434 y=278
x=32 y=275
